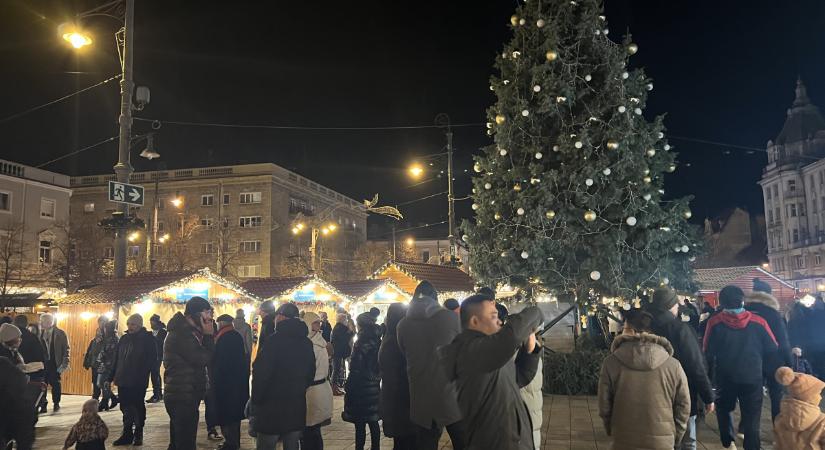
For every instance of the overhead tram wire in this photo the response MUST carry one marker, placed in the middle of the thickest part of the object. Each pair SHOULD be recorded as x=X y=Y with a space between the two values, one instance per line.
x=301 y=128
x=113 y=138
x=58 y=100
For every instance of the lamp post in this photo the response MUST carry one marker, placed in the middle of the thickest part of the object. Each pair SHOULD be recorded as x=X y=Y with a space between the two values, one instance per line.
x=315 y=233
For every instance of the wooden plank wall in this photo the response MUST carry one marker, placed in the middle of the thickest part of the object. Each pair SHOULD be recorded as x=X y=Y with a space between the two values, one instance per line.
x=78 y=380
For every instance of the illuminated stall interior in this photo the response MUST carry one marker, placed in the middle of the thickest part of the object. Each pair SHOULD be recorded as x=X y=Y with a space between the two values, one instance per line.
x=450 y=282
x=366 y=294
x=163 y=294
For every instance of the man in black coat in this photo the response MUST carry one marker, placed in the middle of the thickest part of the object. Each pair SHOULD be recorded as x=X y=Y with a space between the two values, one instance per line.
x=159 y=333
x=664 y=307
x=395 y=388
x=17 y=416
x=281 y=374
x=761 y=302
x=489 y=364
x=30 y=348
x=267 y=311
x=341 y=337
x=814 y=336
x=136 y=354
x=326 y=327
x=230 y=378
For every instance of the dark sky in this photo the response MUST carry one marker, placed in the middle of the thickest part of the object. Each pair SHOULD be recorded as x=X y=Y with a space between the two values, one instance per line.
x=723 y=71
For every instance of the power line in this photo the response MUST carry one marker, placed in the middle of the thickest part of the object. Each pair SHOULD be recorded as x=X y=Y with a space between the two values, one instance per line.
x=308 y=128
x=421 y=199
x=30 y=110
x=426 y=225
x=77 y=151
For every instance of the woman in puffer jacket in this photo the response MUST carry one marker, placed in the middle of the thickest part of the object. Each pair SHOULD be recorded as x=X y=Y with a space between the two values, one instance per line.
x=363 y=386
x=105 y=363
x=319 y=394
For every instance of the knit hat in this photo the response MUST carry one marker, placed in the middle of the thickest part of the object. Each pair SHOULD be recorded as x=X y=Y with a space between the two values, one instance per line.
x=196 y=305
x=761 y=286
x=9 y=332
x=802 y=387
x=288 y=310
x=224 y=318
x=268 y=307
x=452 y=304
x=364 y=319
x=425 y=289
x=731 y=297
x=663 y=299
x=310 y=318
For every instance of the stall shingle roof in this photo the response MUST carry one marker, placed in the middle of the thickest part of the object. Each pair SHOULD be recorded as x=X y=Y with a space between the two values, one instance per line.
x=360 y=288
x=271 y=287
x=717 y=278
x=125 y=289
x=443 y=278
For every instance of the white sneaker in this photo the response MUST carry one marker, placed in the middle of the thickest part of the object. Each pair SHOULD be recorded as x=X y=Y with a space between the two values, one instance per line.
x=732 y=446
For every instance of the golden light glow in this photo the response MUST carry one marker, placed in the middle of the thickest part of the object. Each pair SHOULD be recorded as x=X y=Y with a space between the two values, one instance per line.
x=416 y=170
x=163 y=238
x=134 y=236
x=410 y=241
x=295 y=230
x=300 y=226
x=177 y=202
x=86 y=315
x=144 y=307
x=109 y=315
x=59 y=316
x=325 y=230
x=332 y=227
x=77 y=39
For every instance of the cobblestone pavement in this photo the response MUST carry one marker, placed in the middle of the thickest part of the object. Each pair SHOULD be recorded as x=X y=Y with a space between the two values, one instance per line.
x=570 y=423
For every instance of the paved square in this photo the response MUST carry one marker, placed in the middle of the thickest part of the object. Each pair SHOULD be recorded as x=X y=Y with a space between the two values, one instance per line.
x=570 y=423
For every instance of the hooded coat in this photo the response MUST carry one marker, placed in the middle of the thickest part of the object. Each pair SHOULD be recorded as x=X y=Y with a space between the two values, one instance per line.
x=185 y=356
x=488 y=374
x=643 y=394
x=135 y=357
x=739 y=347
x=687 y=351
x=767 y=307
x=426 y=327
x=395 y=388
x=319 y=395
x=800 y=426
x=363 y=386
x=281 y=374
x=229 y=376
x=341 y=340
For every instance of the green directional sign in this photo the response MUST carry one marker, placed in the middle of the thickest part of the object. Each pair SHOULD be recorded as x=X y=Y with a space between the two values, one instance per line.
x=131 y=194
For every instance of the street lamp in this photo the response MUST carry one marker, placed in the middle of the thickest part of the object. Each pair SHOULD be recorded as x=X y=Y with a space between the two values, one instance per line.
x=324 y=230
x=134 y=236
x=177 y=202
x=416 y=170
x=76 y=37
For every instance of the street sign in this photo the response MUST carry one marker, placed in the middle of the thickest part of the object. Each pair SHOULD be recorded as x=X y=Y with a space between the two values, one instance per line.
x=125 y=193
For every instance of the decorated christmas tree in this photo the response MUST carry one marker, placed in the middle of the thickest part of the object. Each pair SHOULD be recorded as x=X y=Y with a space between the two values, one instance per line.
x=570 y=196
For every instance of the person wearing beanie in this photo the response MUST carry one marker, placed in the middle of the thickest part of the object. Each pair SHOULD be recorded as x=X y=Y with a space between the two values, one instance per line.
x=319 y=395
x=10 y=340
x=453 y=305
x=800 y=424
x=363 y=386
x=739 y=346
x=664 y=310
x=267 y=312
x=761 y=302
x=134 y=358
x=188 y=349
x=433 y=397
x=159 y=334
x=489 y=363
x=643 y=392
x=229 y=379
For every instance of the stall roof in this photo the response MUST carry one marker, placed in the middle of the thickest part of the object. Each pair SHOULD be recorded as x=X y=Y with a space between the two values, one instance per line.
x=133 y=287
x=443 y=278
x=362 y=288
x=716 y=279
x=272 y=288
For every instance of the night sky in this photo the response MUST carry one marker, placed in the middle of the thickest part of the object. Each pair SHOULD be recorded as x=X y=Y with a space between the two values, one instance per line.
x=723 y=72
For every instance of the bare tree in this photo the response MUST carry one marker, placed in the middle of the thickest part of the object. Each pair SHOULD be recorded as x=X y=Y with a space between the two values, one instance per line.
x=370 y=256
x=181 y=254
x=13 y=249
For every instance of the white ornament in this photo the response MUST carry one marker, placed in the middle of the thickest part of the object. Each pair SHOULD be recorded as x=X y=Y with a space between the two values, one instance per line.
x=589 y=182
x=487 y=186
x=631 y=221
x=475 y=206
x=665 y=281
x=667 y=147
x=561 y=99
x=536 y=88
x=677 y=249
x=646 y=197
x=492 y=88
x=506 y=82
x=555 y=148
x=539 y=155
x=595 y=275
x=638 y=111
x=625 y=75
x=598 y=32
x=521 y=22
x=539 y=23
x=465 y=238
x=651 y=152
x=606 y=171
x=503 y=254
x=622 y=109
x=489 y=125
x=649 y=86
x=516 y=54
x=606 y=31
x=661 y=135
x=502 y=152
x=578 y=144
x=685 y=248
x=520 y=211
x=525 y=113
x=692 y=258
x=477 y=167
x=588 y=77
x=525 y=255
x=626 y=307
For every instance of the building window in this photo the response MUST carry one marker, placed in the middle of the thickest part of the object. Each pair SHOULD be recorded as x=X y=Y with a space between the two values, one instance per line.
x=161 y=204
x=250 y=221
x=161 y=226
x=795 y=236
x=250 y=246
x=250 y=197
x=249 y=271
x=817 y=259
x=226 y=199
x=792 y=208
x=777 y=215
x=207 y=248
x=134 y=251
x=770 y=216
x=425 y=256
x=45 y=253
x=108 y=252
x=768 y=193
x=5 y=201
x=89 y=207
x=800 y=262
x=207 y=200
x=47 y=208
x=791 y=185
x=801 y=209
x=207 y=222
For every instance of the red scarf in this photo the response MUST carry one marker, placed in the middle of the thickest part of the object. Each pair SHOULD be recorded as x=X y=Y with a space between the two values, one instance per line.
x=224 y=330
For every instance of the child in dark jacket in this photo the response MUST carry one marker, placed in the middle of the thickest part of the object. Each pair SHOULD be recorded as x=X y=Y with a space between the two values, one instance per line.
x=89 y=433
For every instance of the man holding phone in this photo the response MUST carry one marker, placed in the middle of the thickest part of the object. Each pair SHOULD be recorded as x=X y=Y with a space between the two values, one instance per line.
x=186 y=352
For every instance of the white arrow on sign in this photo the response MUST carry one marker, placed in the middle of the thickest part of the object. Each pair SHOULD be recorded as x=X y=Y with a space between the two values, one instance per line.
x=134 y=194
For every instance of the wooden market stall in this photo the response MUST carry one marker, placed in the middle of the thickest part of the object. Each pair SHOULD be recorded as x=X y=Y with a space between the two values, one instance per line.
x=309 y=293
x=449 y=281
x=711 y=281
x=163 y=294
x=365 y=294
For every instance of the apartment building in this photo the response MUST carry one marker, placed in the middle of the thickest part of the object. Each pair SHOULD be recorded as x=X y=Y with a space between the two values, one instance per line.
x=793 y=187
x=34 y=217
x=237 y=220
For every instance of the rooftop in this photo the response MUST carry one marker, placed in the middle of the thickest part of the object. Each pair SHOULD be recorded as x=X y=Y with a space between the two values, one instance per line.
x=443 y=278
x=717 y=278
x=804 y=118
x=272 y=287
x=16 y=170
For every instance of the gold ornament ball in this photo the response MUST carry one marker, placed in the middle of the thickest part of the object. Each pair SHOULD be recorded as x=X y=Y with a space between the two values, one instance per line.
x=497 y=216
x=551 y=55
x=514 y=20
x=632 y=49
x=647 y=179
x=500 y=119
x=612 y=145
x=687 y=214
x=550 y=214
x=517 y=187
x=590 y=215
x=651 y=152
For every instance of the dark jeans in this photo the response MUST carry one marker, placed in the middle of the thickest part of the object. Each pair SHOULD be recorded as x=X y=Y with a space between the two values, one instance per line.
x=210 y=405
x=157 y=382
x=52 y=379
x=231 y=436
x=339 y=372
x=361 y=435
x=312 y=439
x=775 y=393
x=750 y=405
x=404 y=443
x=95 y=387
x=132 y=406
x=105 y=389
x=817 y=360
x=427 y=438
x=183 y=424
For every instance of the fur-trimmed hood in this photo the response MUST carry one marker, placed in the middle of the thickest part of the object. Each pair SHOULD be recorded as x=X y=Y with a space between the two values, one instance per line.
x=763 y=298
x=643 y=351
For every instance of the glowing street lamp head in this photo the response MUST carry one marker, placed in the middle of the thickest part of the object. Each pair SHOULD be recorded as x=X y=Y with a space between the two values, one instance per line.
x=300 y=226
x=134 y=236
x=325 y=230
x=75 y=36
x=410 y=241
x=177 y=202
x=295 y=230
x=164 y=238
x=416 y=170
x=332 y=227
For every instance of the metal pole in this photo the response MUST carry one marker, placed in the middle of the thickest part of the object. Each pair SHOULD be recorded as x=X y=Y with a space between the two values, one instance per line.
x=123 y=168
x=150 y=246
x=393 y=242
x=312 y=249
x=450 y=198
